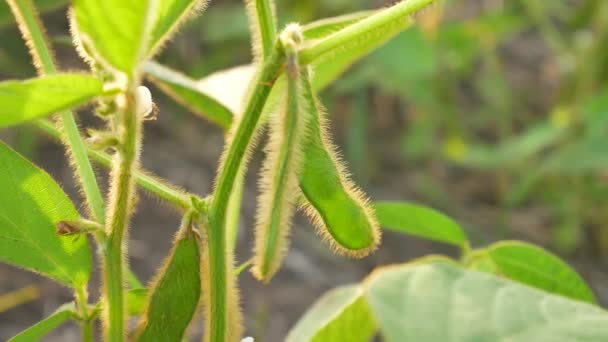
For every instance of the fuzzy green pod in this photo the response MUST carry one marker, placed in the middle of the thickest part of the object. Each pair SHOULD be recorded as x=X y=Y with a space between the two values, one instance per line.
x=340 y=211
x=278 y=181
x=175 y=292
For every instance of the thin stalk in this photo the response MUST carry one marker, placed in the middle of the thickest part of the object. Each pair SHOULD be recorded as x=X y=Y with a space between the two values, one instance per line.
x=85 y=320
x=267 y=25
x=395 y=15
x=42 y=55
x=234 y=157
x=159 y=187
x=121 y=203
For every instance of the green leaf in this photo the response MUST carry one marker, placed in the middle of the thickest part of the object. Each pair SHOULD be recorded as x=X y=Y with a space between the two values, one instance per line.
x=6 y=17
x=37 y=331
x=114 y=32
x=420 y=221
x=443 y=302
x=174 y=294
x=169 y=15
x=37 y=97
x=31 y=204
x=186 y=91
x=340 y=315
x=532 y=266
x=136 y=301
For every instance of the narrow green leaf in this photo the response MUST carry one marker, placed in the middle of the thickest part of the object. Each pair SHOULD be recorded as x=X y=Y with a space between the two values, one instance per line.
x=420 y=221
x=169 y=15
x=443 y=302
x=186 y=91
x=532 y=266
x=174 y=294
x=31 y=204
x=340 y=315
x=278 y=181
x=37 y=331
x=6 y=17
x=339 y=209
x=36 y=97
x=114 y=32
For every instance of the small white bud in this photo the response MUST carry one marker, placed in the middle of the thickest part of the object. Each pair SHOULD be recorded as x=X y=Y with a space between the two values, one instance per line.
x=247 y=339
x=143 y=101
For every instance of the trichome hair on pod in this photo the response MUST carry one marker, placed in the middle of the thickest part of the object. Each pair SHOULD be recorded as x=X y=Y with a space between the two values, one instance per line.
x=339 y=210
x=232 y=311
x=278 y=180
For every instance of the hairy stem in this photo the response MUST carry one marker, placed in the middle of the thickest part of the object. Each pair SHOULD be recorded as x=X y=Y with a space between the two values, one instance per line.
x=267 y=25
x=235 y=156
x=83 y=308
x=395 y=15
x=42 y=55
x=159 y=187
x=121 y=204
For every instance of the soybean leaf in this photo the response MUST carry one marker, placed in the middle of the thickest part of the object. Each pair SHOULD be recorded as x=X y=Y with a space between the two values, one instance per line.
x=37 y=97
x=6 y=17
x=114 y=32
x=532 y=266
x=443 y=302
x=136 y=301
x=186 y=91
x=37 y=331
x=169 y=15
x=340 y=315
x=175 y=293
x=31 y=204
x=420 y=221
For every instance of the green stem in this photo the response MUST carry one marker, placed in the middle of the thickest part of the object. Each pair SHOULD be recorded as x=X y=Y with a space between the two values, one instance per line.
x=33 y=33
x=160 y=188
x=360 y=30
x=266 y=22
x=85 y=320
x=121 y=203
x=235 y=156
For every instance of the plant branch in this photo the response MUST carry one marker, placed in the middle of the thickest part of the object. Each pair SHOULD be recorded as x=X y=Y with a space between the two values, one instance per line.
x=159 y=187
x=267 y=26
x=235 y=157
x=121 y=203
x=363 y=29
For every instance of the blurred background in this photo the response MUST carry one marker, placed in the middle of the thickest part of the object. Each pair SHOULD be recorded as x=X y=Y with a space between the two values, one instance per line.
x=495 y=112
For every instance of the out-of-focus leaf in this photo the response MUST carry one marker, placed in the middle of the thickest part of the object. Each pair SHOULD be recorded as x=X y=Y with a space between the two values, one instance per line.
x=419 y=221
x=514 y=150
x=187 y=92
x=584 y=156
x=31 y=204
x=340 y=315
x=443 y=302
x=114 y=31
x=533 y=266
x=37 y=331
x=136 y=301
x=30 y=99
x=6 y=17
